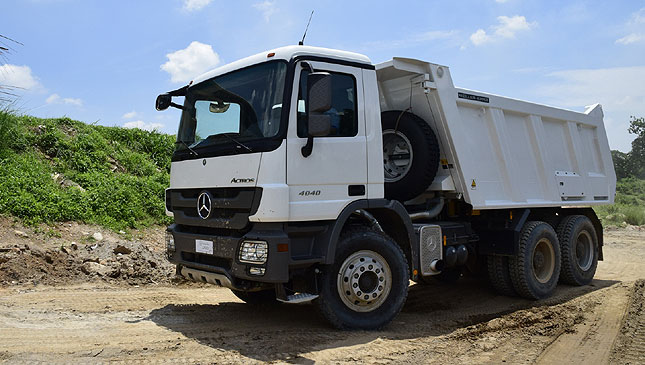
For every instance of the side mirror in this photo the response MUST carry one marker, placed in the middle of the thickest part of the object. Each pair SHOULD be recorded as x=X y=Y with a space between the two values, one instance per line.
x=319 y=101
x=163 y=102
x=319 y=92
x=319 y=125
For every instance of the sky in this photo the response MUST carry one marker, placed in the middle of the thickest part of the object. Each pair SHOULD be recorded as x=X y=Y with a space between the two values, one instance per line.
x=106 y=61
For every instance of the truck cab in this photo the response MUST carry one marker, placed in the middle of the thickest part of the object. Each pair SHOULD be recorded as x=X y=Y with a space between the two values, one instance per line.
x=299 y=174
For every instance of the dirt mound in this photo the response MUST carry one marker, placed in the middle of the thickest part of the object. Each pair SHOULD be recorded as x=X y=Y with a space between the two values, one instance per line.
x=70 y=253
x=630 y=345
x=122 y=261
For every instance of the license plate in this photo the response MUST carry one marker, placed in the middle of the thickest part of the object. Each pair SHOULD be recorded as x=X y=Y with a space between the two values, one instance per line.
x=203 y=246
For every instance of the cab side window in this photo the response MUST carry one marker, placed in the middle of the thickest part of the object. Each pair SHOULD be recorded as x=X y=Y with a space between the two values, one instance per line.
x=344 y=119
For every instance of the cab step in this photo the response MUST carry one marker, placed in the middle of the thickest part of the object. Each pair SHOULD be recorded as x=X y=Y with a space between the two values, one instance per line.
x=299 y=298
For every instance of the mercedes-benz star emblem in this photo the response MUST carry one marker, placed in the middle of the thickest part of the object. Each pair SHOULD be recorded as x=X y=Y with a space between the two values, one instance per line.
x=204 y=205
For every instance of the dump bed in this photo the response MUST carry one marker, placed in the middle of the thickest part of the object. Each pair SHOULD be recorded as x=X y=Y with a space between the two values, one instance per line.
x=501 y=152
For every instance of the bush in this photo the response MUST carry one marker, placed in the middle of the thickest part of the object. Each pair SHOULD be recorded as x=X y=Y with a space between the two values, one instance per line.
x=629 y=207
x=55 y=170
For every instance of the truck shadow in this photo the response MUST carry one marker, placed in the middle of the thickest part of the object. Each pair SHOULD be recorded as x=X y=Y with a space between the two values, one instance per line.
x=288 y=332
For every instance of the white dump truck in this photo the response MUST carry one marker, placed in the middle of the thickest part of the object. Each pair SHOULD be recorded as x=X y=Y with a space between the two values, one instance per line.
x=310 y=174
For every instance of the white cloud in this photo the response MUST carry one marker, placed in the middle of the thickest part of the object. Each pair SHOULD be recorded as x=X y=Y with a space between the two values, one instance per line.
x=193 y=5
x=131 y=115
x=19 y=77
x=506 y=28
x=143 y=125
x=53 y=98
x=631 y=38
x=191 y=61
x=480 y=37
x=267 y=8
x=501 y=1
x=636 y=28
x=56 y=99
x=73 y=101
x=620 y=90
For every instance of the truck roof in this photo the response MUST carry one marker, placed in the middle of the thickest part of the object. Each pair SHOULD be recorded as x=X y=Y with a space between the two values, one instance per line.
x=283 y=53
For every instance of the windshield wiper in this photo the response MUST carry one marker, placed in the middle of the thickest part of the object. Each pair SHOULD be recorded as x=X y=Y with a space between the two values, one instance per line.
x=240 y=144
x=187 y=146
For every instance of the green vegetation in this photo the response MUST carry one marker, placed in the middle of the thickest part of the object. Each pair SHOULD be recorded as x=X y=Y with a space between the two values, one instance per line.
x=632 y=163
x=630 y=204
x=54 y=170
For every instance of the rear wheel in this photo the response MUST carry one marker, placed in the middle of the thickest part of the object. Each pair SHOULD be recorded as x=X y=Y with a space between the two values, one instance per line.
x=499 y=275
x=579 y=245
x=367 y=285
x=263 y=297
x=536 y=266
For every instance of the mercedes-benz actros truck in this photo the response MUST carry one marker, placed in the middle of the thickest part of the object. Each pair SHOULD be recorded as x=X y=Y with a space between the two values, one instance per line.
x=310 y=174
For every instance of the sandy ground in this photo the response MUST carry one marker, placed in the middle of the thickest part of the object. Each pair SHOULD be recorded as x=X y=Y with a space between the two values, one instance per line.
x=101 y=321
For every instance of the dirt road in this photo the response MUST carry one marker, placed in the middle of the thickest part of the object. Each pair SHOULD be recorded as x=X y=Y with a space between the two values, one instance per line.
x=464 y=323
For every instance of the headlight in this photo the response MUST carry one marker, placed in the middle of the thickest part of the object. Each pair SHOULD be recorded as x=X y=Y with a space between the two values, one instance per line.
x=170 y=242
x=254 y=252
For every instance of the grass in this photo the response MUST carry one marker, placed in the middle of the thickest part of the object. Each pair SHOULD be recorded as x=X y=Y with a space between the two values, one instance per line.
x=629 y=207
x=54 y=170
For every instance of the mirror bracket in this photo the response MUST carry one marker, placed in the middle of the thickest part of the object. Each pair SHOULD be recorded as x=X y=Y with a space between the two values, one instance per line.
x=308 y=147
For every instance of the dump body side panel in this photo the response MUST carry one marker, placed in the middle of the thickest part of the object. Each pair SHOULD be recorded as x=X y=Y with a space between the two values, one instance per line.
x=501 y=152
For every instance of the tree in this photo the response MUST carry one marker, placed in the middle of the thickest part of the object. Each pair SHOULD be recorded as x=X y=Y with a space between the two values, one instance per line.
x=622 y=164
x=637 y=154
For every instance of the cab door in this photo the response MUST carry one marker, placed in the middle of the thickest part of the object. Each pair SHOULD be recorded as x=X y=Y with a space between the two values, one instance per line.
x=335 y=174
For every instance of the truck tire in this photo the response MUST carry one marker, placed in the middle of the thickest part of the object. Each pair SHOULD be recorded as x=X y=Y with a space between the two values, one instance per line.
x=366 y=286
x=410 y=155
x=500 y=276
x=579 y=246
x=536 y=266
x=263 y=297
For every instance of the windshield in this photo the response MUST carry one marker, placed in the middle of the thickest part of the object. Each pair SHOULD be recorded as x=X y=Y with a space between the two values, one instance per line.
x=233 y=109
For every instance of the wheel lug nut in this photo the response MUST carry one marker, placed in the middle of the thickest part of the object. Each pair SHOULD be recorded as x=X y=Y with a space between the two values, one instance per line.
x=362 y=269
x=359 y=293
x=355 y=285
x=370 y=267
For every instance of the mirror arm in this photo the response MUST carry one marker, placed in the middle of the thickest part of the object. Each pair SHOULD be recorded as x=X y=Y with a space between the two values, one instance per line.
x=308 y=148
x=175 y=105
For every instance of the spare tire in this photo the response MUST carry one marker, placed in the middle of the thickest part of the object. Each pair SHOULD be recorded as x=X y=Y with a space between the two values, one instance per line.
x=410 y=155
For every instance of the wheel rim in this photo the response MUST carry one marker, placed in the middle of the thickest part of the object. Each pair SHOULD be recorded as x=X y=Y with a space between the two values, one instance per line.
x=364 y=281
x=584 y=251
x=543 y=260
x=397 y=155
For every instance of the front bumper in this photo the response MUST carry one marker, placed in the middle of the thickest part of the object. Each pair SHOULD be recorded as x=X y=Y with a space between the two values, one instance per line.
x=224 y=259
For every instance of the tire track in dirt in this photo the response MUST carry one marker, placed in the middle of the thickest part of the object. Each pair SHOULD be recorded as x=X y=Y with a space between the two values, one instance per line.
x=593 y=339
x=630 y=344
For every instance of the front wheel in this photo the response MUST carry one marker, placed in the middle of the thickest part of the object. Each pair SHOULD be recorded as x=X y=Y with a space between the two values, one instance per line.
x=367 y=285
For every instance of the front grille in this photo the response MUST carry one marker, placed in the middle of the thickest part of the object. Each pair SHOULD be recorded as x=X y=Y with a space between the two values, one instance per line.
x=231 y=207
x=206 y=260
